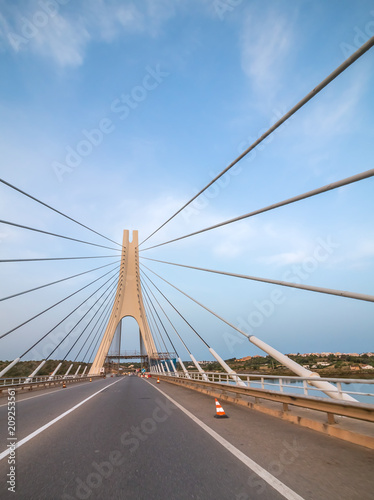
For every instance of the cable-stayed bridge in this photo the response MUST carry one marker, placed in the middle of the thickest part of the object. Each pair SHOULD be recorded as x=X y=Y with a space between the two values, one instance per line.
x=147 y=438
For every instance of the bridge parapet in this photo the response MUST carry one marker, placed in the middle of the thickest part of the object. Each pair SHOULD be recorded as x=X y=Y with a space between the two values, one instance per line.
x=307 y=411
x=22 y=384
x=292 y=384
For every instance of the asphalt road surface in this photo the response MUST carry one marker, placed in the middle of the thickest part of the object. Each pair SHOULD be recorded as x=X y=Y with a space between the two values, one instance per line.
x=130 y=438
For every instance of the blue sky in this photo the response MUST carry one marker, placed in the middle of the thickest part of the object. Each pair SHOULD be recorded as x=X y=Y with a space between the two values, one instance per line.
x=118 y=112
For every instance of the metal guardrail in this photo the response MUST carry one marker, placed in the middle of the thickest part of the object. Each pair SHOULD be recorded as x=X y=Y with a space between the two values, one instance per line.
x=125 y=354
x=356 y=410
x=28 y=383
x=137 y=354
x=284 y=384
x=22 y=380
x=163 y=355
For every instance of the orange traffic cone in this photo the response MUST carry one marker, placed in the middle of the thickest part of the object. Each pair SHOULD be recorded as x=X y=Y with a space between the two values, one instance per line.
x=219 y=411
x=158 y=380
x=90 y=379
x=63 y=385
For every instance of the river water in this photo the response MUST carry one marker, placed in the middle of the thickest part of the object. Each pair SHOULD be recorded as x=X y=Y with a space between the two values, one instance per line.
x=298 y=388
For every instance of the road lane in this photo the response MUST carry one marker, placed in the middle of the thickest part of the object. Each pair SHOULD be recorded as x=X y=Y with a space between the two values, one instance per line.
x=35 y=410
x=20 y=442
x=311 y=463
x=129 y=442
x=255 y=468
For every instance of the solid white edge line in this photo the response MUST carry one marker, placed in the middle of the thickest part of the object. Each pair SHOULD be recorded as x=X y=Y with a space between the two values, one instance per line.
x=44 y=427
x=40 y=395
x=33 y=397
x=284 y=490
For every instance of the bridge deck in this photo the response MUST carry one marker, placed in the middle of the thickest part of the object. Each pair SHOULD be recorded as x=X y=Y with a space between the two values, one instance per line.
x=129 y=442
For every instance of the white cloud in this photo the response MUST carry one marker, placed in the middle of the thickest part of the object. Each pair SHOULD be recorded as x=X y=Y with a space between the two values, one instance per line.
x=4 y=29
x=107 y=20
x=139 y=212
x=130 y=17
x=366 y=248
x=332 y=114
x=62 y=41
x=265 y=45
x=285 y=258
x=230 y=241
x=64 y=34
x=265 y=244
x=359 y=256
x=52 y=34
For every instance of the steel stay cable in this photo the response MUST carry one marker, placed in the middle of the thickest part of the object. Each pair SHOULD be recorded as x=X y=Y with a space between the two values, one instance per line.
x=254 y=340
x=115 y=301
x=108 y=300
x=150 y=317
x=67 y=335
x=175 y=353
x=57 y=235
x=150 y=303
x=198 y=303
x=53 y=282
x=51 y=307
x=342 y=67
x=89 y=310
x=145 y=287
x=180 y=338
x=184 y=319
x=198 y=367
x=58 y=258
x=327 y=388
x=55 y=210
x=289 y=363
x=294 y=199
x=151 y=314
x=44 y=336
x=155 y=332
x=75 y=309
x=106 y=319
x=328 y=291
x=94 y=337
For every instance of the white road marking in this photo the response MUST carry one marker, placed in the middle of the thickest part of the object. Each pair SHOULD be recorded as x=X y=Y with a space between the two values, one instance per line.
x=32 y=397
x=44 y=427
x=40 y=395
x=284 y=490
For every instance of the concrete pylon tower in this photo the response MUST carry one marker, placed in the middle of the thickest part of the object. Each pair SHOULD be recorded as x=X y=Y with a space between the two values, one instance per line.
x=128 y=302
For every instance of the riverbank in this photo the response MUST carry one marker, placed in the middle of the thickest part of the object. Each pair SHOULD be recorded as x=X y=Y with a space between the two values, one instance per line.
x=321 y=373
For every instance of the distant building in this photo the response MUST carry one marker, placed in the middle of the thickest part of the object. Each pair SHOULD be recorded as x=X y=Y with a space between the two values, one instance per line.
x=367 y=367
x=246 y=358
